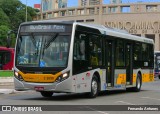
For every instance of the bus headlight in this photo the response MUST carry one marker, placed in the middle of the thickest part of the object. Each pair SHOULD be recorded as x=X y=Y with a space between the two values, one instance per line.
x=62 y=77
x=18 y=76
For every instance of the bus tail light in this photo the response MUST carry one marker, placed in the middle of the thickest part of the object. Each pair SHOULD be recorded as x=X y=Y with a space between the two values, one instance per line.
x=18 y=76
x=62 y=77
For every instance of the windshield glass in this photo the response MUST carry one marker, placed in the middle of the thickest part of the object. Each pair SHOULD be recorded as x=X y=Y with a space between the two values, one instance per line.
x=42 y=50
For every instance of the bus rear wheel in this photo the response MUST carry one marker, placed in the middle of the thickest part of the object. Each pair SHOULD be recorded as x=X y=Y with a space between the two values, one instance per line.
x=94 y=87
x=138 y=84
x=46 y=93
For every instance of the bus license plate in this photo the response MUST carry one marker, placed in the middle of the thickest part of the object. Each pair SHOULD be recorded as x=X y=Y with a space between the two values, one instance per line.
x=37 y=88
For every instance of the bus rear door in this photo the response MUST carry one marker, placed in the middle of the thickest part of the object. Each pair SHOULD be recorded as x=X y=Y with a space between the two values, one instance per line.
x=109 y=58
x=129 y=64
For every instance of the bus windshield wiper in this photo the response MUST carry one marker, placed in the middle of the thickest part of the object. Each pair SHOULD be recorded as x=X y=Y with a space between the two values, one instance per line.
x=33 y=39
x=47 y=44
x=50 y=40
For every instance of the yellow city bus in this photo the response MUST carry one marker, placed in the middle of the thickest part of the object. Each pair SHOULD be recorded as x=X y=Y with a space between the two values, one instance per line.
x=72 y=57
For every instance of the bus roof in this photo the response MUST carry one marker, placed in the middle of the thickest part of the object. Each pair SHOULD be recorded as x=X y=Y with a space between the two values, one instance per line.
x=47 y=22
x=6 y=49
x=103 y=30
x=117 y=33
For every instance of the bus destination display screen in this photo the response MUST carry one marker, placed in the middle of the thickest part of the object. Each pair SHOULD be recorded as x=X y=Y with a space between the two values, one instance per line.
x=46 y=28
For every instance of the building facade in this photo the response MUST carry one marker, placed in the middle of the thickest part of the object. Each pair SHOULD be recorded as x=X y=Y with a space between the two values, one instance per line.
x=37 y=6
x=115 y=1
x=142 y=19
x=48 y=5
x=89 y=2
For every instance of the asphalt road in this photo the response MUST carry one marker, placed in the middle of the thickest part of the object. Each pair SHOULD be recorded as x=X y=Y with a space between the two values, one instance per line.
x=149 y=95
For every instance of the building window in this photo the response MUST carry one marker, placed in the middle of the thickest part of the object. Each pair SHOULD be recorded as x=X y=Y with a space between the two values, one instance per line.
x=125 y=9
x=112 y=9
x=91 y=11
x=44 y=16
x=56 y=14
x=90 y=20
x=63 y=13
x=79 y=20
x=50 y=15
x=83 y=2
x=97 y=10
x=71 y=12
x=104 y=10
x=81 y=12
x=94 y=2
x=151 y=8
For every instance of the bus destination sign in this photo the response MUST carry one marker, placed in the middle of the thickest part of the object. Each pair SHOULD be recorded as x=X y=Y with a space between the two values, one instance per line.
x=45 y=28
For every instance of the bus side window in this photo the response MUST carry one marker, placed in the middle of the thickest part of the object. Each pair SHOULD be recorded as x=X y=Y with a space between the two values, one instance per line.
x=79 y=47
x=95 y=44
x=6 y=57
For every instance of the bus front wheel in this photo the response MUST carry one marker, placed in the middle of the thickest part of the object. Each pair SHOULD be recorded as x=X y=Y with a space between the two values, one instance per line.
x=46 y=93
x=94 y=87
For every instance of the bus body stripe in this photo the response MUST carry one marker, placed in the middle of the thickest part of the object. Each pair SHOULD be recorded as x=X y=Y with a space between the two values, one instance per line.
x=47 y=78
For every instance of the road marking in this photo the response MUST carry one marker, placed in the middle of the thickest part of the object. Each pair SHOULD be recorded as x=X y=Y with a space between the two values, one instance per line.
x=150 y=98
x=125 y=102
x=96 y=110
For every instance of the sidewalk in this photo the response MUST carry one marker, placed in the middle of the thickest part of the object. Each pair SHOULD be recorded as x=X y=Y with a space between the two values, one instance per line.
x=6 y=85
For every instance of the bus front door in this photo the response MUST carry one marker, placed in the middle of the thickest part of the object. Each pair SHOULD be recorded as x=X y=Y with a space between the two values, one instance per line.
x=129 y=64
x=109 y=58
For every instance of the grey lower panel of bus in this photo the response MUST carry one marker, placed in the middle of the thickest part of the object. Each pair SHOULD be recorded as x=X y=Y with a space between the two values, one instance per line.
x=55 y=87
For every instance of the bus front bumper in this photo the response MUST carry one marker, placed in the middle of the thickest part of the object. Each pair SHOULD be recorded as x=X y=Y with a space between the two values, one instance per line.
x=55 y=87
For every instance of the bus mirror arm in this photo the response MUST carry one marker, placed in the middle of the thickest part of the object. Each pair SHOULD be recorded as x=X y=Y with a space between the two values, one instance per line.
x=9 y=38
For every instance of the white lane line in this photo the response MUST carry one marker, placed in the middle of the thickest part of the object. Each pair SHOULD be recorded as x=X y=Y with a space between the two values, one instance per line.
x=125 y=102
x=97 y=110
x=150 y=98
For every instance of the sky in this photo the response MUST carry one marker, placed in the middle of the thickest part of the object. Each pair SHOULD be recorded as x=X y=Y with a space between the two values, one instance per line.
x=72 y=3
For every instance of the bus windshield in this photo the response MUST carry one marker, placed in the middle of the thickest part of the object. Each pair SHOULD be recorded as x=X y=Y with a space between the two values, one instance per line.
x=42 y=50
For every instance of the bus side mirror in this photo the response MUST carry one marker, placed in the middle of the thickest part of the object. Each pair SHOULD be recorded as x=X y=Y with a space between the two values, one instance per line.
x=9 y=38
x=8 y=41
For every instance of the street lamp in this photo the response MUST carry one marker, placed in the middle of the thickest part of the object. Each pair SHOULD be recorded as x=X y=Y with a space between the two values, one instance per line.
x=26 y=10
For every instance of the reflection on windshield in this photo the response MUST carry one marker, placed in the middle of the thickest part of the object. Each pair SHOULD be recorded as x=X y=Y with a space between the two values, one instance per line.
x=43 y=50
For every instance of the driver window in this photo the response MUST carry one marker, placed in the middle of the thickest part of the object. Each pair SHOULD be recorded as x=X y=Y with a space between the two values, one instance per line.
x=79 y=46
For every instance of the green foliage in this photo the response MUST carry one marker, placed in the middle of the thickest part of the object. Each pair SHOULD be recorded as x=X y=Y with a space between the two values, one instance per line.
x=4 y=19
x=3 y=34
x=12 y=14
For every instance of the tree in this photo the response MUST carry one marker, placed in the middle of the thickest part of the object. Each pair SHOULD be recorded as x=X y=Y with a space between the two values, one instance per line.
x=12 y=14
x=3 y=34
x=17 y=19
x=4 y=19
x=10 y=7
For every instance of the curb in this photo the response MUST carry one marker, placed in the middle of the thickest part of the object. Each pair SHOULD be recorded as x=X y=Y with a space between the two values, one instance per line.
x=6 y=81
x=7 y=91
x=7 y=86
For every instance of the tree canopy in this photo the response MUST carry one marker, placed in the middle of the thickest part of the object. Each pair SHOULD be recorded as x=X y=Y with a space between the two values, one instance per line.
x=12 y=14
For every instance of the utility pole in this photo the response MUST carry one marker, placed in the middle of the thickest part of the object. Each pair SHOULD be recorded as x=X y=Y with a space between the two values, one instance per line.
x=26 y=10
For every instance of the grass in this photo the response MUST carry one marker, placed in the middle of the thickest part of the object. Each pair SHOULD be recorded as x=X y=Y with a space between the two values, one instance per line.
x=6 y=73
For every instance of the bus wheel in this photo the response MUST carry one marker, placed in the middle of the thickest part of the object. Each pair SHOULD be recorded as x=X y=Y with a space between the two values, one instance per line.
x=46 y=93
x=159 y=76
x=94 y=87
x=138 y=84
